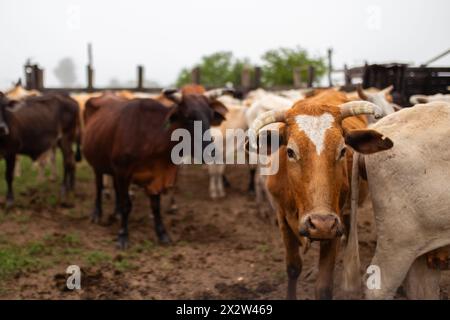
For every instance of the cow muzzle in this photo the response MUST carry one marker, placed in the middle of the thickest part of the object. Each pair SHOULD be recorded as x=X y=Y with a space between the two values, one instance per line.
x=321 y=226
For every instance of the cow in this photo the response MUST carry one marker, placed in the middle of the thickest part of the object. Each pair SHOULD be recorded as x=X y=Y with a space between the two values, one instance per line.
x=132 y=142
x=410 y=189
x=37 y=125
x=312 y=183
x=420 y=98
x=18 y=92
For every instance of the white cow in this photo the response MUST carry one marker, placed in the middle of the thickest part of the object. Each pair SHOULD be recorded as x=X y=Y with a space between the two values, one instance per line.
x=410 y=190
x=238 y=118
x=420 y=98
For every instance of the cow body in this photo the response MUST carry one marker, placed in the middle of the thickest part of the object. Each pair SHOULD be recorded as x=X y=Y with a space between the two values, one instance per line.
x=37 y=125
x=132 y=142
x=410 y=189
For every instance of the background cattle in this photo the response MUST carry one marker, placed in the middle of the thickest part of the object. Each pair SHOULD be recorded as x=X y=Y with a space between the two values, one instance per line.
x=132 y=142
x=35 y=126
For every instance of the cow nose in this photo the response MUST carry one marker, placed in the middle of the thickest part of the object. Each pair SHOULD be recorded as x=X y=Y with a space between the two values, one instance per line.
x=321 y=226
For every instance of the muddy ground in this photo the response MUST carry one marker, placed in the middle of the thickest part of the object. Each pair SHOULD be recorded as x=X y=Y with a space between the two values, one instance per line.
x=222 y=249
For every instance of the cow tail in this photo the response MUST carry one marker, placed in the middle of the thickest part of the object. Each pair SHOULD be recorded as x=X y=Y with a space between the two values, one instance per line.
x=78 y=156
x=352 y=264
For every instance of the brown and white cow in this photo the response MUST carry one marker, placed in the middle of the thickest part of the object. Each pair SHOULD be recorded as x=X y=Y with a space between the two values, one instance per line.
x=311 y=185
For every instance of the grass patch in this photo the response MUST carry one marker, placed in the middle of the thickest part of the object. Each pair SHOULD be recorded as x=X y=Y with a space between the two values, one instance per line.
x=123 y=265
x=15 y=259
x=95 y=258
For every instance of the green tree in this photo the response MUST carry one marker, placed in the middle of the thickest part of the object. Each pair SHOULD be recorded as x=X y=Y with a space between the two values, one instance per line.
x=278 y=66
x=216 y=70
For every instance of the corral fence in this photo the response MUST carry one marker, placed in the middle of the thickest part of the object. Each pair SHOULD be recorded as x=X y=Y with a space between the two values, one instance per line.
x=406 y=80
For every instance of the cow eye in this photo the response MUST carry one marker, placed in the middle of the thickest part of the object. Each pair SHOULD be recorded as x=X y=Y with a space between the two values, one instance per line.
x=290 y=153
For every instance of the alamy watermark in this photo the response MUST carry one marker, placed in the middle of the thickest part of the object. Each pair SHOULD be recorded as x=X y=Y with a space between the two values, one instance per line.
x=74 y=280
x=237 y=146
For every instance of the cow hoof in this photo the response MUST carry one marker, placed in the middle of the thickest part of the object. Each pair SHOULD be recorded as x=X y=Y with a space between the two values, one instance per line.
x=9 y=204
x=172 y=210
x=164 y=239
x=123 y=242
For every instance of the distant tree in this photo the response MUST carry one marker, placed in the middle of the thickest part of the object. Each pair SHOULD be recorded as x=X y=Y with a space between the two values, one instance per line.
x=65 y=72
x=216 y=69
x=278 y=66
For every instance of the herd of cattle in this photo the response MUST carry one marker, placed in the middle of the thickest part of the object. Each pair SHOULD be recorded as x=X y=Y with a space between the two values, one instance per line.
x=335 y=149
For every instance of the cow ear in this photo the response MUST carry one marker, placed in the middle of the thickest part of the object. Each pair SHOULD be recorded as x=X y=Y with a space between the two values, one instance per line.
x=220 y=112
x=367 y=141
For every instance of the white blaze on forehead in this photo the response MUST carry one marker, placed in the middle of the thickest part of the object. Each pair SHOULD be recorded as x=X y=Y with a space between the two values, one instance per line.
x=315 y=128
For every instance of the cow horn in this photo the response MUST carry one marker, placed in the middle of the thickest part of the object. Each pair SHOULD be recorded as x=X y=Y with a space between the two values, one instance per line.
x=354 y=108
x=262 y=120
x=215 y=93
x=172 y=94
x=361 y=92
x=388 y=90
x=418 y=98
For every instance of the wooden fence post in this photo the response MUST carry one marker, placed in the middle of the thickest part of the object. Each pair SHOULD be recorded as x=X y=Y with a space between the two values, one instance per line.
x=330 y=67
x=195 y=75
x=140 y=77
x=90 y=78
x=297 y=77
x=246 y=79
x=347 y=76
x=311 y=76
x=257 y=78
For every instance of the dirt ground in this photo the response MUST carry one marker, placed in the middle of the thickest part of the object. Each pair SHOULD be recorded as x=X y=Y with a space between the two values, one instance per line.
x=222 y=249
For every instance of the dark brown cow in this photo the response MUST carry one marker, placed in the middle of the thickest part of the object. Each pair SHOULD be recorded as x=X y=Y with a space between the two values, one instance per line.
x=132 y=142
x=37 y=125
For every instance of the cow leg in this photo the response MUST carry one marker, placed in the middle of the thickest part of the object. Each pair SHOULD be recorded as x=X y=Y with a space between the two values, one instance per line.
x=9 y=175
x=18 y=169
x=53 y=169
x=293 y=259
x=324 y=283
x=393 y=262
x=125 y=206
x=69 y=167
x=220 y=181
x=212 y=181
x=422 y=282
x=161 y=233
x=97 y=212
x=251 y=183
x=173 y=208
x=113 y=217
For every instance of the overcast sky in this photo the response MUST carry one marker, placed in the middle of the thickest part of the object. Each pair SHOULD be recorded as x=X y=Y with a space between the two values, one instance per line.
x=167 y=35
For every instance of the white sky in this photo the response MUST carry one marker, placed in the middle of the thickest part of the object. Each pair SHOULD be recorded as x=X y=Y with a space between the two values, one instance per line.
x=167 y=35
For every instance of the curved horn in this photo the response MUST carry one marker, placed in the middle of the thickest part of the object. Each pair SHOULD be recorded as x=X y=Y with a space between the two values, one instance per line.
x=361 y=92
x=215 y=93
x=173 y=94
x=262 y=120
x=388 y=90
x=354 y=108
x=418 y=98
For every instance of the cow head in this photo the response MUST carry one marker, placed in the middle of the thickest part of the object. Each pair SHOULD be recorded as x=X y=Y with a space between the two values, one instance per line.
x=191 y=108
x=5 y=104
x=313 y=153
x=382 y=99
